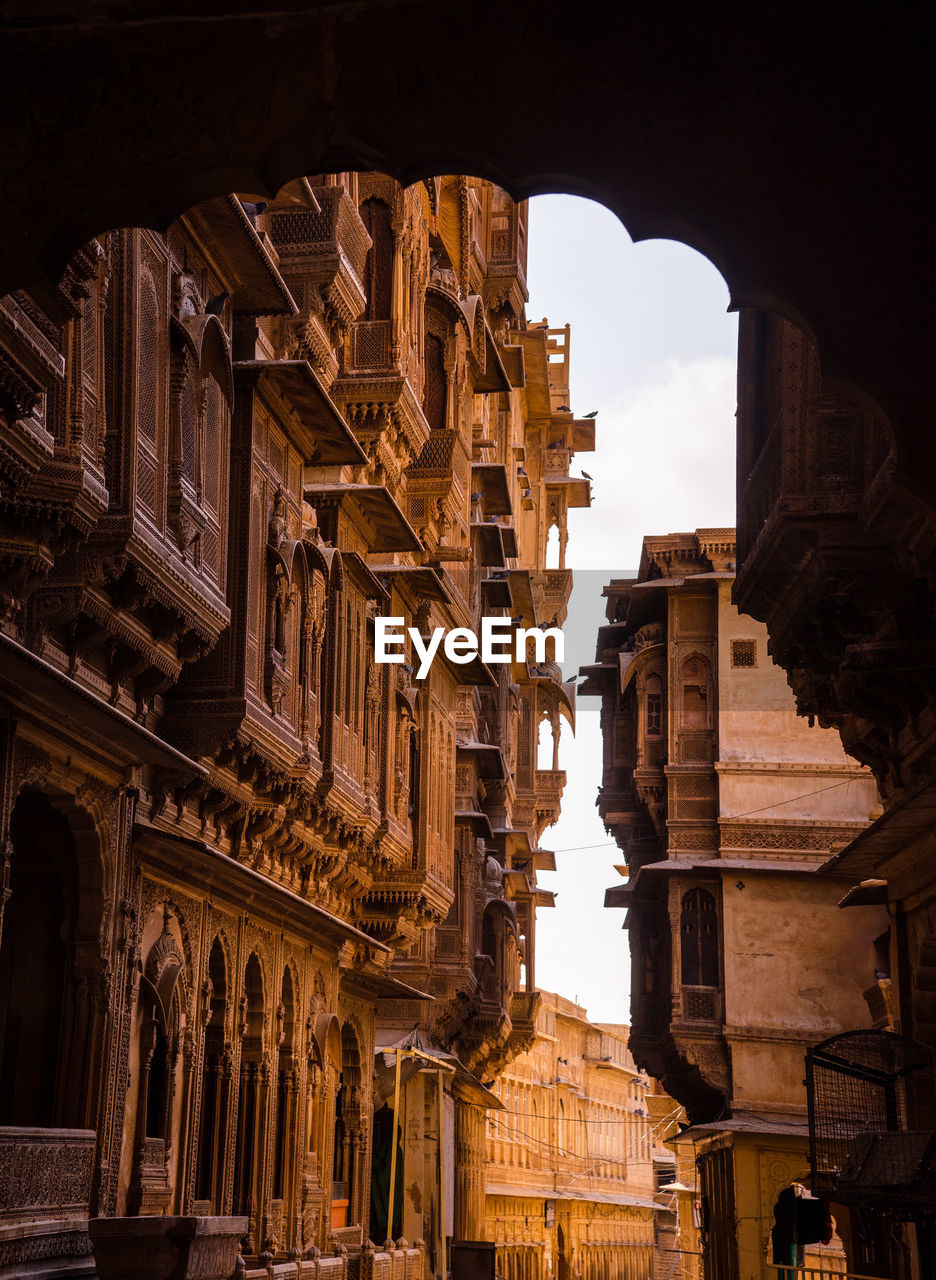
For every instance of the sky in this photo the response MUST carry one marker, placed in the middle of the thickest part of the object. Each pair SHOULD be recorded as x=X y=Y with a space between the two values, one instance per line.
x=653 y=349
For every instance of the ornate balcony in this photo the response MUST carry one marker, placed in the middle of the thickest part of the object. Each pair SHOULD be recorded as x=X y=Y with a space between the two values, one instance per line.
x=549 y=785
x=523 y=1009
x=324 y=251
x=701 y=1004
x=551 y=591
x=45 y=1189
x=370 y=349
x=45 y=1173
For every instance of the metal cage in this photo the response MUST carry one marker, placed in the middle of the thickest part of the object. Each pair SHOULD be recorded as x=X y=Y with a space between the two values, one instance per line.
x=871 y=1097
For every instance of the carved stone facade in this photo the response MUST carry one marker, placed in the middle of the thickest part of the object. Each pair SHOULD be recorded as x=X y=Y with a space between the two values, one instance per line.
x=227 y=834
x=726 y=805
x=836 y=550
x=570 y=1181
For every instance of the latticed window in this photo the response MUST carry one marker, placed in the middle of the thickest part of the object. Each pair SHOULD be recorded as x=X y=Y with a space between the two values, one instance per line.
x=696 y=694
x=699 y=939
x=654 y=706
x=378 y=268
x=744 y=653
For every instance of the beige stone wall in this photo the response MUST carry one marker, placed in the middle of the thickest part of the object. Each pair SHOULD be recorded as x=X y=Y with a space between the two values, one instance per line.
x=570 y=1171
x=778 y=754
x=795 y=971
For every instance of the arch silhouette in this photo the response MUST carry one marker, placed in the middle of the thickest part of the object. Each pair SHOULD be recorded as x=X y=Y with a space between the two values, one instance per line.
x=196 y=109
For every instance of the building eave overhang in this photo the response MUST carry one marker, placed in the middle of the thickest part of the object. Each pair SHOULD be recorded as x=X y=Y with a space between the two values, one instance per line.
x=479 y=822
x=422 y=579
x=521 y=586
x=512 y=361
x=68 y=705
x=495 y=377
x=241 y=258
x=217 y=871
x=490 y=542
x=905 y=822
x=329 y=440
x=376 y=509
x=595 y=683
x=488 y=758
x=356 y=565
x=575 y=489
x=510 y=840
x=492 y=479
x=475 y=671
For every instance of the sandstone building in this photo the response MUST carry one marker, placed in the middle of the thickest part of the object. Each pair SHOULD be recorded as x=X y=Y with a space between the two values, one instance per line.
x=743 y=133
x=233 y=845
x=569 y=1183
x=726 y=806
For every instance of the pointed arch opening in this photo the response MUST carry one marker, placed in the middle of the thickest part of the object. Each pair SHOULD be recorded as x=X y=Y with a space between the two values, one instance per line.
x=253 y=1090
x=216 y=1086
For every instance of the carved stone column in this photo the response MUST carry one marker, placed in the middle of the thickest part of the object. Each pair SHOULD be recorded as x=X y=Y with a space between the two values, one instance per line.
x=469 y=1171
x=121 y=982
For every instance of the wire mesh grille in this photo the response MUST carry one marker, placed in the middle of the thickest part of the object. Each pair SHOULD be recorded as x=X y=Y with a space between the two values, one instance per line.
x=872 y=1119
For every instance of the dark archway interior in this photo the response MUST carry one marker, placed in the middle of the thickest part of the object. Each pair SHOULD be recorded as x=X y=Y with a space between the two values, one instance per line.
x=788 y=144
x=783 y=143
x=36 y=964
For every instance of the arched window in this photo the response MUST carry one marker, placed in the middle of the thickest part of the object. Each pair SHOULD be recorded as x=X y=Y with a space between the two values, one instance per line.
x=699 y=939
x=435 y=382
x=251 y=1109
x=188 y=423
x=696 y=711
x=216 y=1087
x=378 y=269
x=160 y=1024
x=215 y=462
x=151 y=387
x=156 y=1094
x=345 y=1189
x=36 y=963
x=287 y=1090
x=552 y=547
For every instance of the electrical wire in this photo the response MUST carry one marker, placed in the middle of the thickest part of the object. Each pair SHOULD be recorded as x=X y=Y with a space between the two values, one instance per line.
x=534 y=1115
x=731 y=817
x=574 y=1155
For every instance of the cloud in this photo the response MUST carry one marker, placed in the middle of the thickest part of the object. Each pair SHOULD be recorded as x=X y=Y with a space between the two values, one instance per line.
x=664 y=463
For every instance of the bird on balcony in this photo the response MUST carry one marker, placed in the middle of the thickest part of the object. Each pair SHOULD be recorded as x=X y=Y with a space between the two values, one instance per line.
x=593 y=414
x=564 y=408
x=253 y=211
x=586 y=475
x=214 y=306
